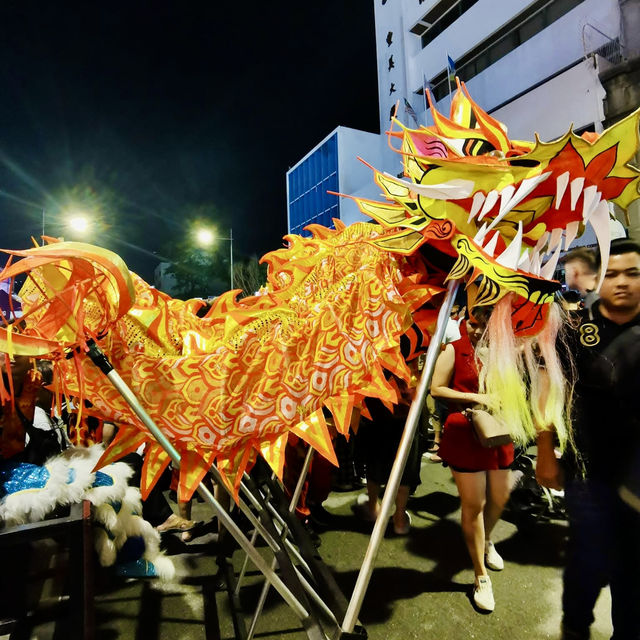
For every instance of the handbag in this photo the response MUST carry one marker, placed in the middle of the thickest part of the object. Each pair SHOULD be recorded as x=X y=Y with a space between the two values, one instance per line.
x=490 y=431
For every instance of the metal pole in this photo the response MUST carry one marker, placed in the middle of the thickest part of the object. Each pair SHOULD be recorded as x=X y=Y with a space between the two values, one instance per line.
x=43 y=214
x=285 y=530
x=101 y=361
x=231 y=254
x=355 y=604
x=292 y=506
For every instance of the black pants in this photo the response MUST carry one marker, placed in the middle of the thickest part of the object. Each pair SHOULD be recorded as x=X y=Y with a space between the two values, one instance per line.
x=155 y=509
x=604 y=548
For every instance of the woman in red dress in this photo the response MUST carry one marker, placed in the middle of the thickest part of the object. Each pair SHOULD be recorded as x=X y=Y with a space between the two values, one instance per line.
x=481 y=474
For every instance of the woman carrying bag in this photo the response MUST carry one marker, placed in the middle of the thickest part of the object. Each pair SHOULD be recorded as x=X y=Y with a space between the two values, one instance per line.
x=481 y=473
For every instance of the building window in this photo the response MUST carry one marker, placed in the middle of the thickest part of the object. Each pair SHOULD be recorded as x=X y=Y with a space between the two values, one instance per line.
x=516 y=32
x=445 y=13
x=309 y=182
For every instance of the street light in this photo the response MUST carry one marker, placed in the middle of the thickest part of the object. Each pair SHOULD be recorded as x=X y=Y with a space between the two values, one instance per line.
x=205 y=238
x=78 y=223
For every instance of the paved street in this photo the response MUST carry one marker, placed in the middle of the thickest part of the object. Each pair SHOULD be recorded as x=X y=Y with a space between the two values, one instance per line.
x=420 y=587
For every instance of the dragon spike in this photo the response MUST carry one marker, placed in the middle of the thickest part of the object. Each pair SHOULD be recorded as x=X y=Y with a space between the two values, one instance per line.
x=492 y=198
x=478 y=201
x=571 y=233
x=525 y=188
x=549 y=268
x=576 y=190
x=490 y=248
x=510 y=257
x=561 y=185
x=600 y=222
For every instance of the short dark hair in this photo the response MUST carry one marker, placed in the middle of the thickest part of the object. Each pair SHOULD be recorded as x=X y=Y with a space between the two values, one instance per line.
x=620 y=246
x=585 y=255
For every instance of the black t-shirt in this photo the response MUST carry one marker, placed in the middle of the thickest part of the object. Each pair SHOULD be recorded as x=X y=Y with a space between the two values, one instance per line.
x=607 y=394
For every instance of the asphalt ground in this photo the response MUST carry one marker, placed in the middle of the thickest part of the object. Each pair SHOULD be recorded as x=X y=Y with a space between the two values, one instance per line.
x=420 y=587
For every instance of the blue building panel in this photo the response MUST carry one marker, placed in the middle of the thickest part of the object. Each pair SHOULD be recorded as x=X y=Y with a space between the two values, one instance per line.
x=309 y=182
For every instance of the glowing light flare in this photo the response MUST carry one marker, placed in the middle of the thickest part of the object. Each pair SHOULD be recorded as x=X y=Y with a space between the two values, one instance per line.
x=204 y=237
x=78 y=223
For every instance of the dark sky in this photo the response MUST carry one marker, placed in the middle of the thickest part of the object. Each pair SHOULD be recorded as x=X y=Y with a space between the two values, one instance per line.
x=149 y=114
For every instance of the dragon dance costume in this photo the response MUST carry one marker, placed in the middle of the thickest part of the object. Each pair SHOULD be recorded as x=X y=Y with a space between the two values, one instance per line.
x=340 y=307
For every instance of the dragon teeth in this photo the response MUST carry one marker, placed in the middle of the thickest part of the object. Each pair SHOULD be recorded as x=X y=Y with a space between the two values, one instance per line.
x=535 y=263
x=590 y=200
x=505 y=199
x=490 y=249
x=549 y=268
x=555 y=239
x=525 y=188
x=478 y=201
x=576 y=189
x=510 y=257
x=524 y=264
x=492 y=198
x=561 y=185
x=600 y=222
x=571 y=233
x=480 y=235
x=542 y=241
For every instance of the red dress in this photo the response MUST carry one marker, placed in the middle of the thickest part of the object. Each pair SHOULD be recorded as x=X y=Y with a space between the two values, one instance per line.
x=459 y=447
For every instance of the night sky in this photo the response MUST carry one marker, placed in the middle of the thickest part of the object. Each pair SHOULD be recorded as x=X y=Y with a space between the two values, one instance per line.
x=152 y=114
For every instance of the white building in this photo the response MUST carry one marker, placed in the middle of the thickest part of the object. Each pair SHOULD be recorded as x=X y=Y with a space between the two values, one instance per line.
x=527 y=63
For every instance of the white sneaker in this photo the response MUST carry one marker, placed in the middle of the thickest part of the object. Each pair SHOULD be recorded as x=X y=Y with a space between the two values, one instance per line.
x=492 y=558
x=483 y=594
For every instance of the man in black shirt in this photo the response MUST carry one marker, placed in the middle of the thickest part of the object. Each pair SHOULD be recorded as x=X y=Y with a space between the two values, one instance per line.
x=604 y=540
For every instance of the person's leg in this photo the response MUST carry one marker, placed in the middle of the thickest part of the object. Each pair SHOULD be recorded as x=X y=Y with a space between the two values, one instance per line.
x=184 y=509
x=401 y=520
x=472 y=488
x=588 y=557
x=498 y=489
x=373 y=493
x=625 y=585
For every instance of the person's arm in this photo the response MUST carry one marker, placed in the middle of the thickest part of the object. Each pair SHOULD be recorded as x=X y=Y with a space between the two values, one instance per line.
x=548 y=470
x=442 y=374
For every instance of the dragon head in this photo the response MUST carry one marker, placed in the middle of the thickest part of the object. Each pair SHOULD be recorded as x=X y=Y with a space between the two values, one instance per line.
x=502 y=209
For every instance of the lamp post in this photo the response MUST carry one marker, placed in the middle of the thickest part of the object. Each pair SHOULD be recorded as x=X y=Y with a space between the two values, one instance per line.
x=206 y=237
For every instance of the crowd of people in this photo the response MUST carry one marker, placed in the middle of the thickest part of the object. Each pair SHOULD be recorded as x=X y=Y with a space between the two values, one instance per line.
x=598 y=472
